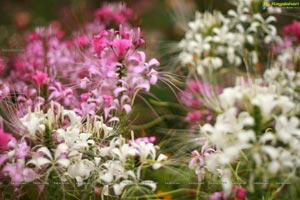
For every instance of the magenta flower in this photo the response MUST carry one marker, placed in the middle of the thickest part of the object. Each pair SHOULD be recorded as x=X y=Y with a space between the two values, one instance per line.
x=34 y=36
x=193 y=116
x=116 y=13
x=84 y=97
x=2 y=67
x=40 y=78
x=5 y=138
x=81 y=41
x=293 y=29
x=107 y=99
x=239 y=193
x=121 y=47
x=100 y=42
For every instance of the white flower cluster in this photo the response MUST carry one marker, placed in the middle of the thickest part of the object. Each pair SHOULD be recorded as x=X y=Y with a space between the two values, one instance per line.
x=258 y=125
x=214 y=40
x=287 y=80
x=87 y=151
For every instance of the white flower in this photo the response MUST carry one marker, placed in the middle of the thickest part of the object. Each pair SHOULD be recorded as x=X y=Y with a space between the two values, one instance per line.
x=118 y=187
x=145 y=151
x=47 y=158
x=214 y=35
x=226 y=182
x=110 y=171
x=33 y=121
x=228 y=97
x=149 y=183
x=74 y=118
x=123 y=152
x=158 y=163
x=80 y=170
x=286 y=128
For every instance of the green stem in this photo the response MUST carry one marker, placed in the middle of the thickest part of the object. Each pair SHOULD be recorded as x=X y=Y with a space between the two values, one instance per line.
x=167 y=193
x=198 y=191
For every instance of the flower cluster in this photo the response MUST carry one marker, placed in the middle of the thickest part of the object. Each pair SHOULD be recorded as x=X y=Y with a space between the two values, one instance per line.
x=214 y=40
x=287 y=50
x=114 y=13
x=62 y=94
x=194 y=97
x=100 y=71
x=258 y=125
x=117 y=71
x=77 y=150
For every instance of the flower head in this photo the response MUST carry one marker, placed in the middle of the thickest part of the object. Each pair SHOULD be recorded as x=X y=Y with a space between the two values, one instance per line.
x=5 y=138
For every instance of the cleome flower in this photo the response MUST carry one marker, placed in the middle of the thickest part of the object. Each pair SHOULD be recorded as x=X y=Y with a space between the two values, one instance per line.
x=214 y=40
x=258 y=124
x=79 y=150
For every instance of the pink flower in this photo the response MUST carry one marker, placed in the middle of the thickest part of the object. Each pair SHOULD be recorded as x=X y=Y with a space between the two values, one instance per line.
x=18 y=172
x=34 y=36
x=153 y=75
x=22 y=150
x=240 y=193
x=146 y=140
x=107 y=99
x=194 y=86
x=40 y=78
x=84 y=97
x=193 y=116
x=13 y=170
x=198 y=159
x=116 y=13
x=4 y=89
x=81 y=41
x=293 y=29
x=121 y=47
x=4 y=140
x=217 y=196
x=2 y=67
x=100 y=42
x=237 y=193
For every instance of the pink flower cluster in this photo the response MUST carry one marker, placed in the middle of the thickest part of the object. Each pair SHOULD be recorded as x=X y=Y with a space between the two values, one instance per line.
x=98 y=70
x=146 y=140
x=193 y=97
x=237 y=193
x=287 y=50
x=117 y=71
x=114 y=13
x=293 y=30
x=198 y=159
x=12 y=163
x=291 y=37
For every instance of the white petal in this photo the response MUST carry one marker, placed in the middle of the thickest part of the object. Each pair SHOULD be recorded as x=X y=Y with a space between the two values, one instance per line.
x=45 y=151
x=38 y=162
x=61 y=148
x=274 y=167
x=63 y=162
x=108 y=178
x=117 y=189
x=150 y=183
